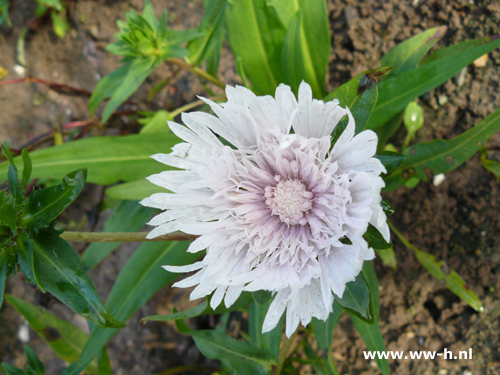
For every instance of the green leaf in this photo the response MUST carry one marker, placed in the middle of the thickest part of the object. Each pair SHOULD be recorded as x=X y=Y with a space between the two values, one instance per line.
x=158 y=123
x=396 y=92
x=269 y=341
x=241 y=72
x=33 y=360
x=202 y=309
x=387 y=207
x=323 y=330
x=26 y=169
x=360 y=95
x=65 y=339
x=104 y=362
x=12 y=175
x=5 y=270
x=390 y=160
x=441 y=156
x=56 y=4
x=454 y=282
x=128 y=216
x=26 y=259
x=44 y=205
x=320 y=365
x=107 y=86
x=407 y=54
x=11 y=370
x=241 y=357
x=181 y=36
x=61 y=273
x=255 y=33
x=137 y=282
x=59 y=23
x=213 y=26
x=8 y=215
x=491 y=166
x=356 y=299
x=370 y=333
x=108 y=159
x=312 y=40
x=388 y=257
x=149 y=14
x=134 y=190
x=292 y=59
x=137 y=73
x=262 y=297
x=375 y=239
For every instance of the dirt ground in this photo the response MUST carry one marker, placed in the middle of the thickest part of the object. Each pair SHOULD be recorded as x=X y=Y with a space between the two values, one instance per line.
x=458 y=221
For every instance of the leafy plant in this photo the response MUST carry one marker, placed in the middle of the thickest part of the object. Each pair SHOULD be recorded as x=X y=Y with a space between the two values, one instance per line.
x=57 y=14
x=30 y=240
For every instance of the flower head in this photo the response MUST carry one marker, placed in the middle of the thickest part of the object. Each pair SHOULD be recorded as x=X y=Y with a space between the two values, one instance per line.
x=271 y=210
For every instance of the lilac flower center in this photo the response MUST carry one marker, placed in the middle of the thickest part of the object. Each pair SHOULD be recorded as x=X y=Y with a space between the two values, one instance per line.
x=289 y=200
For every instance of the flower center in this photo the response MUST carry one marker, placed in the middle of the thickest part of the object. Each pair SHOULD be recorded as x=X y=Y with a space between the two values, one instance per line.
x=289 y=200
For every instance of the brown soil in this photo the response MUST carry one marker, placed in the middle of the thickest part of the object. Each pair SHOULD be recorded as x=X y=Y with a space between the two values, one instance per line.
x=458 y=221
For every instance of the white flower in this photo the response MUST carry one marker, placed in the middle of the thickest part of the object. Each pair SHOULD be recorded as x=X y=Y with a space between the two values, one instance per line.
x=270 y=210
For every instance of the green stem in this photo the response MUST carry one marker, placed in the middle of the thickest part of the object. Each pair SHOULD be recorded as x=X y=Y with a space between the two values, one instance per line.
x=283 y=354
x=402 y=238
x=195 y=70
x=194 y=104
x=123 y=237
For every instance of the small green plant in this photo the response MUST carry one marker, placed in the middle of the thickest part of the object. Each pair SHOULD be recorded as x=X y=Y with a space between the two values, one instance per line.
x=57 y=15
x=30 y=241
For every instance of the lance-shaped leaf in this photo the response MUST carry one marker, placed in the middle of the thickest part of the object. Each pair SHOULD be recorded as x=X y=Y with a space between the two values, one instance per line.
x=212 y=25
x=357 y=299
x=11 y=370
x=137 y=282
x=34 y=363
x=138 y=71
x=26 y=259
x=375 y=239
x=255 y=33
x=370 y=333
x=312 y=41
x=239 y=356
x=26 y=169
x=323 y=330
x=60 y=272
x=12 y=175
x=108 y=159
x=321 y=365
x=491 y=166
x=128 y=216
x=134 y=190
x=5 y=270
x=202 y=309
x=388 y=257
x=441 y=271
x=454 y=281
x=360 y=95
x=390 y=160
x=407 y=54
x=8 y=214
x=292 y=58
x=65 y=339
x=396 y=92
x=269 y=341
x=44 y=205
x=443 y=156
